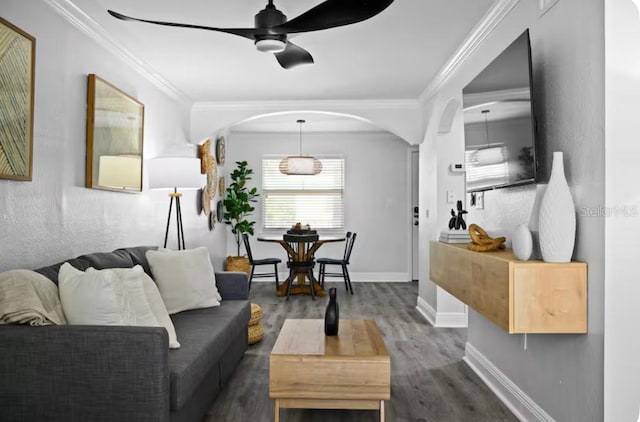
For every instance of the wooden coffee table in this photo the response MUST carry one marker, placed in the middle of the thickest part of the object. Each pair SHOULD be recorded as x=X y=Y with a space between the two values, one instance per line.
x=309 y=370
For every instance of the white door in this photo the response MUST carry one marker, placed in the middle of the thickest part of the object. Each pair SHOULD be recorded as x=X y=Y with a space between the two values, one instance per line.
x=415 y=162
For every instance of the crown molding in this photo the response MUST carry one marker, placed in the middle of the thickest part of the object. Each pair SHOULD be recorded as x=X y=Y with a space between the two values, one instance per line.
x=311 y=105
x=93 y=30
x=474 y=40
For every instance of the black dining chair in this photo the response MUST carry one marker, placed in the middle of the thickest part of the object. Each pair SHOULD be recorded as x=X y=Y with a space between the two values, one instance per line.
x=343 y=263
x=257 y=262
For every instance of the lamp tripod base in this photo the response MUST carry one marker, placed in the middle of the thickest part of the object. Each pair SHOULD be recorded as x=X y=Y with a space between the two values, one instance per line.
x=180 y=231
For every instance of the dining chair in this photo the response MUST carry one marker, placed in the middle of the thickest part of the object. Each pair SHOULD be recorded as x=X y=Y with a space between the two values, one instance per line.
x=257 y=262
x=301 y=246
x=343 y=263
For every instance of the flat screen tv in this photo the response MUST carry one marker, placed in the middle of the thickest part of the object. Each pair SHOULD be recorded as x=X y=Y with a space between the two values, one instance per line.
x=499 y=126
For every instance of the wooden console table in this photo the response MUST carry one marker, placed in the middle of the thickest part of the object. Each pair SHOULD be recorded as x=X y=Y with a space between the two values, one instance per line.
x=518 y=296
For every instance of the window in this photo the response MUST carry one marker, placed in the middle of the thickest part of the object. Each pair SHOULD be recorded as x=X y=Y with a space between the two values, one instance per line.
x=314 y=200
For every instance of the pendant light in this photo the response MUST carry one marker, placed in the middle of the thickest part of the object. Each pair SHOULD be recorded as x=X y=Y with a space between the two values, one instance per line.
x=489 y=154
x=300 y=164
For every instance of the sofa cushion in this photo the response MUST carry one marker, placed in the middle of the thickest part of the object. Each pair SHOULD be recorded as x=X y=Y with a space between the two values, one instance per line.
x=204 y=335
x=116 y=259
x=51 y=271
x=138 y=256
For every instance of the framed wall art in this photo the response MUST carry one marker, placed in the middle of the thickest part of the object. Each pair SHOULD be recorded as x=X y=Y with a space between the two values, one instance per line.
x=17 y=84
x=115 y=128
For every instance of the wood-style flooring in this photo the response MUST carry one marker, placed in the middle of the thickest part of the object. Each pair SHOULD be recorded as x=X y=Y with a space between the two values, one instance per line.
x=429 y=380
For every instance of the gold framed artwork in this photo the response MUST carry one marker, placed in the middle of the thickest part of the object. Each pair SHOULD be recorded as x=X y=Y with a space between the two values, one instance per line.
x=115 y=132
x=17 y=84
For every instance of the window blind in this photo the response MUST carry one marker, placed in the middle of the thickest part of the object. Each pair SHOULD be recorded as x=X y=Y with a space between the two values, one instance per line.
x=314 y=200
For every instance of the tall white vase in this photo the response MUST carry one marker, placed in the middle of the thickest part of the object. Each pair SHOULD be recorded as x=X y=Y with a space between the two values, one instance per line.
x=557 y=220
x=534 y=220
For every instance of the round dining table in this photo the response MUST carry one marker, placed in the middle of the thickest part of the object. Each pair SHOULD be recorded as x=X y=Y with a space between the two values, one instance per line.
x=304 y=252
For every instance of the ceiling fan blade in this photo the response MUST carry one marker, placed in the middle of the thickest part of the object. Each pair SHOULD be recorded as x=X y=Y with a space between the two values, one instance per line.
x=243 y=32
x=333 y=13
x=293 y=56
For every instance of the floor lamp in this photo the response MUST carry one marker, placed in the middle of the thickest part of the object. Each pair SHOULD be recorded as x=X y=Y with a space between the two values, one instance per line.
x=175 y=173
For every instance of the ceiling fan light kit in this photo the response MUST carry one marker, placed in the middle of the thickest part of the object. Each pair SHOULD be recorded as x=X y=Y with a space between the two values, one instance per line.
x=272 y=28
x=271 y=46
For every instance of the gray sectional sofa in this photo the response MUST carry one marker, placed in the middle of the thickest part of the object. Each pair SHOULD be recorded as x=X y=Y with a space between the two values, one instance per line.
x=121 y=373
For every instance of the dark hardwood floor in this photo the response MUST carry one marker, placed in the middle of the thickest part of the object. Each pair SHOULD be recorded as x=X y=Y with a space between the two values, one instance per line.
x=429 y=380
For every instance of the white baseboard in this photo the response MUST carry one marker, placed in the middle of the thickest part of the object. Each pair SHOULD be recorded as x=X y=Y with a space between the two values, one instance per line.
x=355 y=277
x=427 y=311
x=441 y=319
x=521 y=405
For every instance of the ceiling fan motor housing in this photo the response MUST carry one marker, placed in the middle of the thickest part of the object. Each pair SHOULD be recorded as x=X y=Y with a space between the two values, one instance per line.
x=270 y=17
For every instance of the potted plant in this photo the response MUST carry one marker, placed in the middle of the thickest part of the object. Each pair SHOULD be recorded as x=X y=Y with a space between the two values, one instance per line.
x=237 y=207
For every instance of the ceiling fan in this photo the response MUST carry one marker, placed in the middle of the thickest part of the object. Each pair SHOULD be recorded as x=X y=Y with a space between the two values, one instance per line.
x=272 y=28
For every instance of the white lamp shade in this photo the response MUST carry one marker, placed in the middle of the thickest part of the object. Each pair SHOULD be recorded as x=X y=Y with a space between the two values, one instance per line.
x=175 y=172
x=297 y=165
x=120 y=171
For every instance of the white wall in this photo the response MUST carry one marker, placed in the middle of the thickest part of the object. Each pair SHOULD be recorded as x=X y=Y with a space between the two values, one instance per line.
x=622 y=290
x=376 y=195
x=562 y=374
x=55 y=217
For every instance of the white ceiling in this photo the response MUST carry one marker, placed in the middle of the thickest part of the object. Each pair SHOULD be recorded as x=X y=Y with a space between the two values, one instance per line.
x=393 y=55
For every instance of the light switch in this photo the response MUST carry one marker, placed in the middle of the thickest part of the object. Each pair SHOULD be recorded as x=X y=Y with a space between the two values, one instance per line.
x=451 y=198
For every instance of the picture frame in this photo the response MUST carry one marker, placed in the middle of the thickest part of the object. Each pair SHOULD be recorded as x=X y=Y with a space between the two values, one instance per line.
x=17 y=65
x=115 y=138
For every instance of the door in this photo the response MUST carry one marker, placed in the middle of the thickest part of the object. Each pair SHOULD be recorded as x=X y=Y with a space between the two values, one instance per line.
x=415 y=163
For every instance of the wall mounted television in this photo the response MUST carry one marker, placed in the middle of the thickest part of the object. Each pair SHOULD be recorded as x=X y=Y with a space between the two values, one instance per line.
x=499 y=125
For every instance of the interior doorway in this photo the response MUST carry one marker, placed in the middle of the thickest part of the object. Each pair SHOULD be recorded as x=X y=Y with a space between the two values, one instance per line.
x=414 y=172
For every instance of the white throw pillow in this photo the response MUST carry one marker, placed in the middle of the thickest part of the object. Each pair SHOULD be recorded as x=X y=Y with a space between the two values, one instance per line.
x=151 y=295
x=186 y=278
x=114 y=296
x=93 y=298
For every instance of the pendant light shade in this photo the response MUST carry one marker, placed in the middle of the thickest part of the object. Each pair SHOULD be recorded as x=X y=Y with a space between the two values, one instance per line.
x=300 y=164
x=492 y=153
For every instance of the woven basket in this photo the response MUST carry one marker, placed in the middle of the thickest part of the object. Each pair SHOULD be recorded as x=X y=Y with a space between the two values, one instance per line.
x=255 y=333
x=238 y=263
x=256 y=314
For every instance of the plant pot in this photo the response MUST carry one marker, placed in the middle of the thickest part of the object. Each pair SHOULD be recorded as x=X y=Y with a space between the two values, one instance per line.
x=238 y=263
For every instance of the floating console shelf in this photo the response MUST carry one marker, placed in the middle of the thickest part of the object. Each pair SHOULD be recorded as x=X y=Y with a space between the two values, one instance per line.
x=518 y=296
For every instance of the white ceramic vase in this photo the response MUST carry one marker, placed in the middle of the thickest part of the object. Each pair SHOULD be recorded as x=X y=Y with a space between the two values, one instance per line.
x=521 y=242
x=557 y=220
x=533 y=221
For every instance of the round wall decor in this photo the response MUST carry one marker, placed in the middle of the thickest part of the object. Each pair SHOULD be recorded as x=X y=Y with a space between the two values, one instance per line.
x=212 y=179
x=220 y=211
x=221 y=186
x=220 y=150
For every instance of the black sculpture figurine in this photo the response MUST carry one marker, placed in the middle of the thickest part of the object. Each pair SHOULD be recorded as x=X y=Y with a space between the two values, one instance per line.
x=457 y=221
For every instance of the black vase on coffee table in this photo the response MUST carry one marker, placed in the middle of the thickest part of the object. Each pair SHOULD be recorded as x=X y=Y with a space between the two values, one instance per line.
x=332 y=314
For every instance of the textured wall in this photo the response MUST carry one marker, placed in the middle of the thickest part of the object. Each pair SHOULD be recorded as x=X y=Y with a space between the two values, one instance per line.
x=562 y=373
x=55 y=217
x=376 y=192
